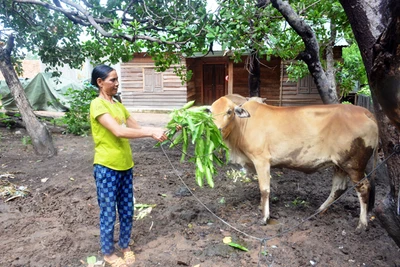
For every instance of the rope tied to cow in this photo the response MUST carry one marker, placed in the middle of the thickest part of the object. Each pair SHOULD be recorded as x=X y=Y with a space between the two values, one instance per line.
x=263 y=241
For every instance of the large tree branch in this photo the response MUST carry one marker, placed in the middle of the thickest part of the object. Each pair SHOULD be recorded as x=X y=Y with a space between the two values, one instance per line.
x=6 y=52
x=81 y=16
x=311 y=53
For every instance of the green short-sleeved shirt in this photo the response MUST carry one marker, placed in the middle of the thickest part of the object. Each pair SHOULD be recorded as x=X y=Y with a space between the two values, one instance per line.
x=110 y=151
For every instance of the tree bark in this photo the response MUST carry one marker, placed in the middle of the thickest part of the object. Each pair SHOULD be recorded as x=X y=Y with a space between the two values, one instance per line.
x=311 y=53
x=330 y=60
x=254 y=74
x=40 y=136
x=376 y=26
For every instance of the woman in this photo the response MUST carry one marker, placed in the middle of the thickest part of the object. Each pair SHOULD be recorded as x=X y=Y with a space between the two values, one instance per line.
x=112 y=126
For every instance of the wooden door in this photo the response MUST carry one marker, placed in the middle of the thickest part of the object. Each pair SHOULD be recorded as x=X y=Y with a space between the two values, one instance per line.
x=213 y=82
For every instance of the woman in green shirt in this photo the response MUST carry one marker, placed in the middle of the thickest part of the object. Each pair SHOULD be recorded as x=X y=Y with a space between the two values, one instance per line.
x=112 y=127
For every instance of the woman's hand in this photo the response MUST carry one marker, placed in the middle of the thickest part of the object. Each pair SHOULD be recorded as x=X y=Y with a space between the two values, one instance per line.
x=159 y=134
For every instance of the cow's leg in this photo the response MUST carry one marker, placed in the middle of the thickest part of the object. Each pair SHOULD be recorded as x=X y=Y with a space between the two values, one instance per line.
x=264 y=179
x=339 y=186
x=363 y=190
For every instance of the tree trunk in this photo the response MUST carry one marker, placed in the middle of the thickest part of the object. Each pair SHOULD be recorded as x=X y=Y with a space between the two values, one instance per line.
x=40 y=136
x=311 y=53
x=376 y=26
x=330 y=60
x=254 y=74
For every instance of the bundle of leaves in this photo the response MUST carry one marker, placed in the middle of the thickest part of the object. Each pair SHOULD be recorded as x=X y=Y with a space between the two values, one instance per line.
x=198 y=130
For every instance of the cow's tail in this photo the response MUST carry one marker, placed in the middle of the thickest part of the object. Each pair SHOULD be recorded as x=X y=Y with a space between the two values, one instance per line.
x=371 y=199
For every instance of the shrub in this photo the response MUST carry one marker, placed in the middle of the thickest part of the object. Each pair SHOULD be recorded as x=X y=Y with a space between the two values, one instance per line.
x=77 y=117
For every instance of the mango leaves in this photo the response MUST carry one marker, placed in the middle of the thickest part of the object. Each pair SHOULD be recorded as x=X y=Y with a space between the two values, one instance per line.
x=198 y=130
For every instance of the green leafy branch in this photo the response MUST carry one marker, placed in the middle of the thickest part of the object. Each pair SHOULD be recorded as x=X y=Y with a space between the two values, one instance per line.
x=199 y=130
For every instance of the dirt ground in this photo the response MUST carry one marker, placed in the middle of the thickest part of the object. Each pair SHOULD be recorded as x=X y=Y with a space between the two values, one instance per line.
x=56 y=224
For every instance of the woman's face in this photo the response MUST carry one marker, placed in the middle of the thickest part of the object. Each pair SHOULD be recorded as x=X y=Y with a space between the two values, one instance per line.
x=109 y=85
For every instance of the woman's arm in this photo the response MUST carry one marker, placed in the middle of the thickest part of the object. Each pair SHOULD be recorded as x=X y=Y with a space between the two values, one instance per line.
x=132 y=123
x=133 y=129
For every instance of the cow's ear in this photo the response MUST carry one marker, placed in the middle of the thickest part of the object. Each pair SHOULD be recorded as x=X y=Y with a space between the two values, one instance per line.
x=241 y=112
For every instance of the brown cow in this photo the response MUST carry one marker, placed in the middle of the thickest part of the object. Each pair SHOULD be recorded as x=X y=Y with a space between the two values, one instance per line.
x=304 y=138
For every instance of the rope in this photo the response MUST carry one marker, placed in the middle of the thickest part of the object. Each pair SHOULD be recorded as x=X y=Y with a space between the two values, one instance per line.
x=201 y=203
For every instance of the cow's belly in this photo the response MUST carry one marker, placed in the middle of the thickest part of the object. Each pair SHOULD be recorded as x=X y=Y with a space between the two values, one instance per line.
x=298 y=159
x=307 y=167
x=306 y=159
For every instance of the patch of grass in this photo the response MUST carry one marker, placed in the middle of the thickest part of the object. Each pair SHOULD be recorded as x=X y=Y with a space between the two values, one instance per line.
x=26 y=140
x=299 y=202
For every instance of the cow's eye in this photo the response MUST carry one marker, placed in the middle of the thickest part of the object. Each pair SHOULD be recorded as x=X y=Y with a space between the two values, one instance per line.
x=229 y=112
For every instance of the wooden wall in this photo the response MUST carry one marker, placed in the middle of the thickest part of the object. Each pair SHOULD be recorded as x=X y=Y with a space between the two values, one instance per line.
x=298 y=93
x=275 y=85
x=269 y=76
x=169 y=93
x=145 y=89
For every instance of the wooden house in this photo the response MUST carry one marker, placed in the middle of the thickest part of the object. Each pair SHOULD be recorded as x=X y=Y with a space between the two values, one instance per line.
x=214 y=75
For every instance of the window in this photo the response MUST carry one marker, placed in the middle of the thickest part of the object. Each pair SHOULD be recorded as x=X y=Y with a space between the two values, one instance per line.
x=152 y=80
x=306 y=85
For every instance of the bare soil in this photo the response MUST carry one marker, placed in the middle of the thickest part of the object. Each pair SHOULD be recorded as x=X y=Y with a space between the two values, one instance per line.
x=57 y=223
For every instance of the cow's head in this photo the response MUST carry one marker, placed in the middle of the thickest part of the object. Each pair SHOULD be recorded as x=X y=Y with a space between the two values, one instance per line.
x=224 y=111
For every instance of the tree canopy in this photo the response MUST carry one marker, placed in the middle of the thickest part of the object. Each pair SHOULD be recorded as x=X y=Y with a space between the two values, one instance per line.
x=66 y=32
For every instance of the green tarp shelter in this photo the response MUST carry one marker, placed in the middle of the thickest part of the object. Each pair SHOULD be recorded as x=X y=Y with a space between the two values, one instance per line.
x=43 y=93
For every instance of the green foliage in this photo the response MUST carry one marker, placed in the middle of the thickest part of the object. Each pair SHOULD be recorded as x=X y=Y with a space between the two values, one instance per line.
x=171 y=30
x=199 y=130
x=4 y=118
x=299 y=202
x=91 y=260
x=2 y=114
x=351 y=71
x=77 y=117
x=296 y=70
x=242 y=26
x=63 y=35
x=26 y=140
x=364 y=91
x=166 y=30
x=346 y=103
x=49 y=35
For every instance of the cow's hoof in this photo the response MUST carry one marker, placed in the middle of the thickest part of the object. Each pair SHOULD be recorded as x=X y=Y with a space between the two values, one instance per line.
x=361 y=228
x=263 y=222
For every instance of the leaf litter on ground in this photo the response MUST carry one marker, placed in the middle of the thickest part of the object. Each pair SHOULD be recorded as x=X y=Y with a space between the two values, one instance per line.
x=10 y=190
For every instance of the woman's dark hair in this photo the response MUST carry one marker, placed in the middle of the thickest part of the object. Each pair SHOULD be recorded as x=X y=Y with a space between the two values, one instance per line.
x=100 y=71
